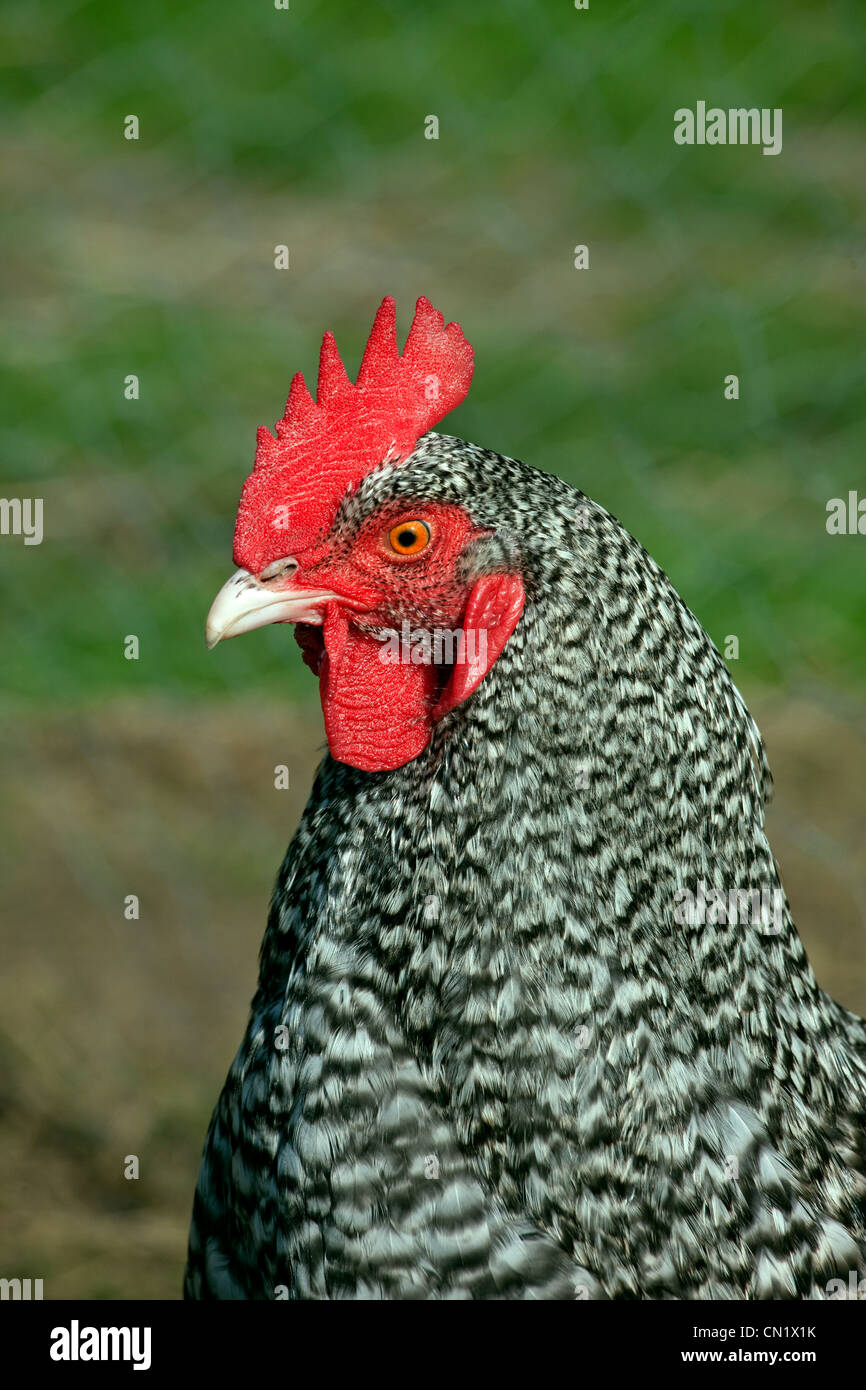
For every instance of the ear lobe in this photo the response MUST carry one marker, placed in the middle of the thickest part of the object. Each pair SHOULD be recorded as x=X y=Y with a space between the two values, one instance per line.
x=492 y=613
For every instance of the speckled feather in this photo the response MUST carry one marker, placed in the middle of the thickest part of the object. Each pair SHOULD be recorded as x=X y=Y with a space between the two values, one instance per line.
x=484 y=1059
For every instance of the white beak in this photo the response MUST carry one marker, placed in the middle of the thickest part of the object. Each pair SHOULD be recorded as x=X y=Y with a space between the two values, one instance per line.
x=245 y=602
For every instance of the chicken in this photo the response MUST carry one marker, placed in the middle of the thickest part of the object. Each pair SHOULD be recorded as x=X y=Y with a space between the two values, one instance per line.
x=532 y=1019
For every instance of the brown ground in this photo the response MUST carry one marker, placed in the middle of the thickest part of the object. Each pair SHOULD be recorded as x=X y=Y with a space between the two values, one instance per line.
x=115 y=1035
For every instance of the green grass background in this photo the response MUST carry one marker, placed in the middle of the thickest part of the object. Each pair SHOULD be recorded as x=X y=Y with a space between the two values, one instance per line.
x=155 y=257
x=306 y=127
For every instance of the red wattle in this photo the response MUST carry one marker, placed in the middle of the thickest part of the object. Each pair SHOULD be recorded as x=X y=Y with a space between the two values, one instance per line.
x=377 y=715
x=492 y=613
x=380 y=714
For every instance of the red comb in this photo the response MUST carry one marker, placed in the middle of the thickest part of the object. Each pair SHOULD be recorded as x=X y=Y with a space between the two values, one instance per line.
x=325 y=446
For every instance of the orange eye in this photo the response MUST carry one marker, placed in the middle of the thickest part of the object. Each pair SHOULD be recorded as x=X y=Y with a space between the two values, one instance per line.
x=409 y=538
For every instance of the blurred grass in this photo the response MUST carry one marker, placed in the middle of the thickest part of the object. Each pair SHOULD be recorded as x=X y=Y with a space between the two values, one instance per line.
x=155 y=257
x=306 y=126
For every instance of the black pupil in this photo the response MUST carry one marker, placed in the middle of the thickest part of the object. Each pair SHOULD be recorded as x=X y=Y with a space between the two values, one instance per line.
x=406 y=538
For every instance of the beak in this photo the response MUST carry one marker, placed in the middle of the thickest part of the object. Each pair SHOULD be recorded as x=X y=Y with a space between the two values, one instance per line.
x=245 y=602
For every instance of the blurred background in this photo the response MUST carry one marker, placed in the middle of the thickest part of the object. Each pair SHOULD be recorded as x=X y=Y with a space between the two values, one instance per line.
x=155 y=257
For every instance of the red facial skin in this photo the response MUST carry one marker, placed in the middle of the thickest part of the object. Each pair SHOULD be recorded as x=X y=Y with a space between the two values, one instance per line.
x=380 y=715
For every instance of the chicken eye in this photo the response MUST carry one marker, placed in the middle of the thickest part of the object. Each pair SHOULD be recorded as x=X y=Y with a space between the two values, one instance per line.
x=409 y=538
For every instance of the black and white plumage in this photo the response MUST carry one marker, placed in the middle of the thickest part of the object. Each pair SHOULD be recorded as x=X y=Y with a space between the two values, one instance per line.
x=485 y=1059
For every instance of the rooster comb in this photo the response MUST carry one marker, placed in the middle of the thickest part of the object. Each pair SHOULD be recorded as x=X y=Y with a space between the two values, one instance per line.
x=324 y=447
